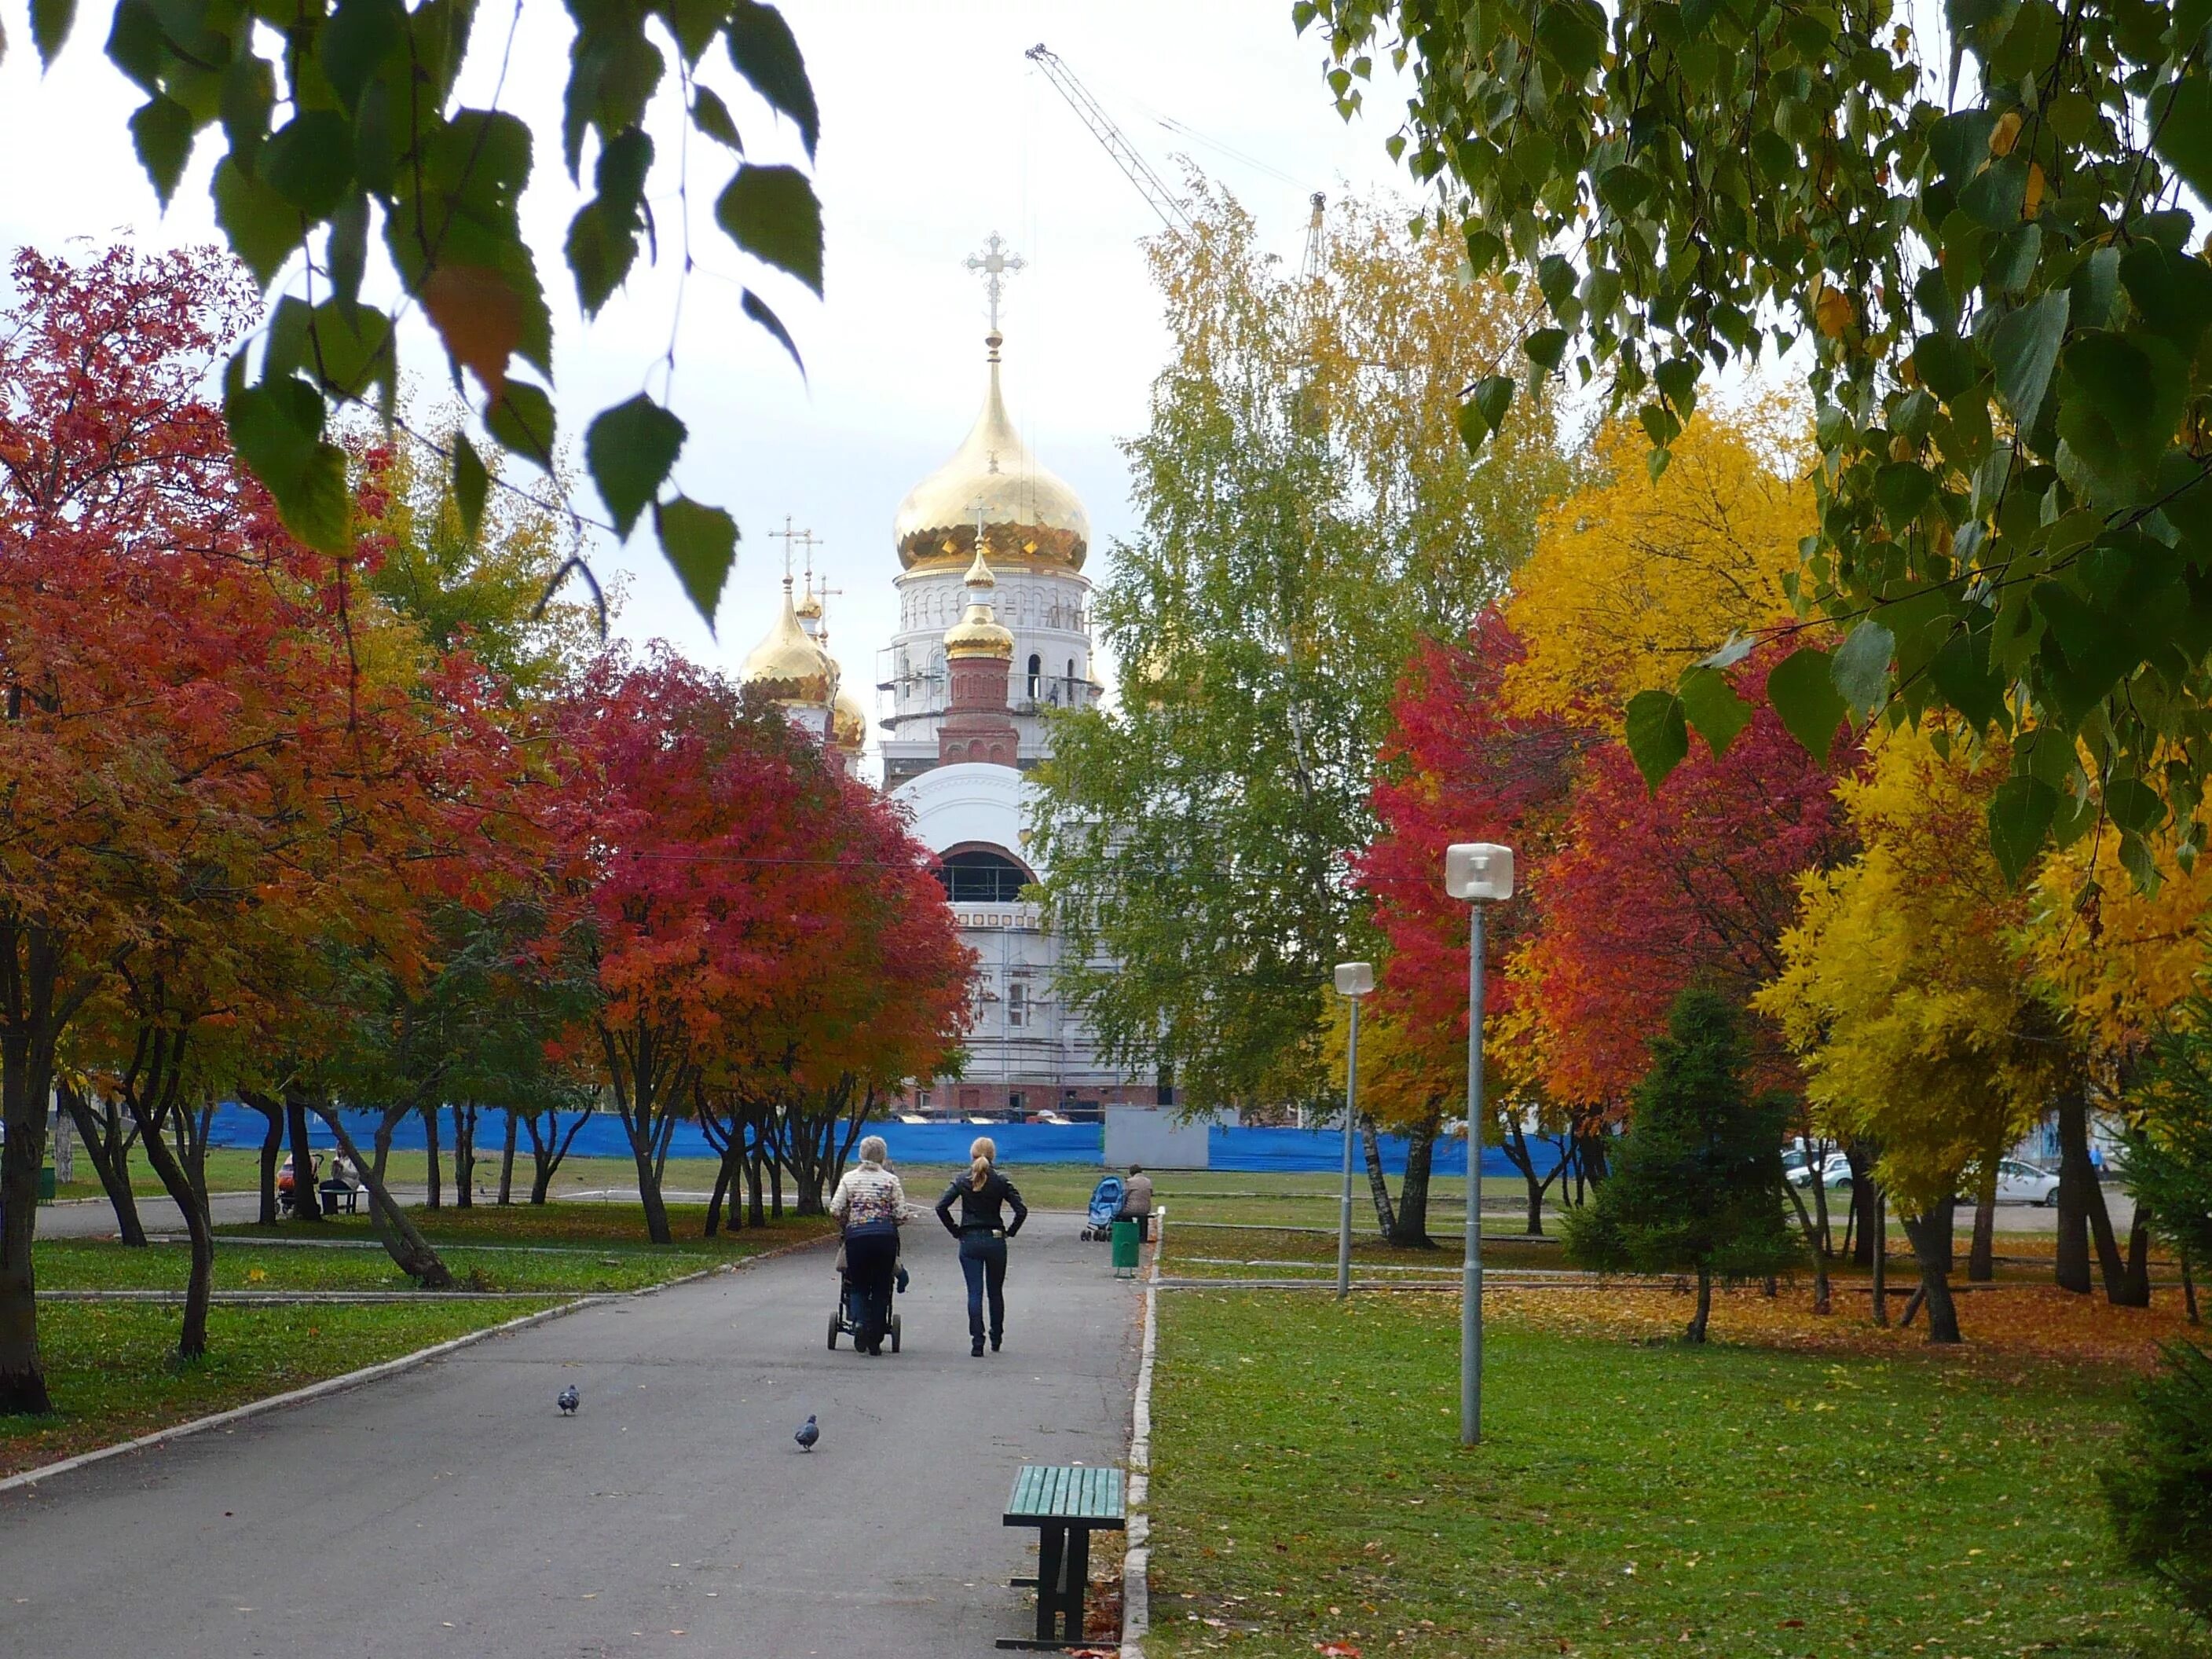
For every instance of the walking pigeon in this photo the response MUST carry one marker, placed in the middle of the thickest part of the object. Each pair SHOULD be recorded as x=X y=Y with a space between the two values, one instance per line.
x=568 y=1400
x=807 y=1435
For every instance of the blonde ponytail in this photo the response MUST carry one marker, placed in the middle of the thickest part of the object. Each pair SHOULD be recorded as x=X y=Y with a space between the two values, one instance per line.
x=983 y=1151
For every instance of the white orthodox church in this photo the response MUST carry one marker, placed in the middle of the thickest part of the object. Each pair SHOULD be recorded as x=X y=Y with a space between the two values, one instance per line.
x=993 y=630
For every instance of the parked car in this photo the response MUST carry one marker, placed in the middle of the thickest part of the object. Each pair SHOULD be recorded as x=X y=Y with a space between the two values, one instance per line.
x=1835 y=1171
x=2022 y=1183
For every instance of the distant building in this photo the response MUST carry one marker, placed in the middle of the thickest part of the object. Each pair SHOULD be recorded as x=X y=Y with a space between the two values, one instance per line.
x=994 y=630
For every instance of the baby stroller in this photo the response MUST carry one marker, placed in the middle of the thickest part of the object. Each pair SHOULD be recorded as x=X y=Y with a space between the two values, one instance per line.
x=846 y=1321
x=1105 y=1205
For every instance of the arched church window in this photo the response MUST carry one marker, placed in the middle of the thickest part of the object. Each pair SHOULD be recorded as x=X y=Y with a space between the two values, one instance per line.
x=1036 y=677
x=979 y=876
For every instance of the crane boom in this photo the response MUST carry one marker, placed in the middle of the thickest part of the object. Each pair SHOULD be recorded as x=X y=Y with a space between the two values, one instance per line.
x=1138 y=171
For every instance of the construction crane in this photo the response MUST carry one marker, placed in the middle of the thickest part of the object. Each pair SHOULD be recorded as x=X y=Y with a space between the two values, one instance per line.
x=1309 y=267
x=1139 y=171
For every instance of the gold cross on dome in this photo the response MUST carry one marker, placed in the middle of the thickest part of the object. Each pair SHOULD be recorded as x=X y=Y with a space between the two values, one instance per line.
x=792 y=538
x=997 y=265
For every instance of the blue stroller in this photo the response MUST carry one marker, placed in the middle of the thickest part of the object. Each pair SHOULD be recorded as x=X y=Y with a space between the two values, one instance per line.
x=1105 y=1205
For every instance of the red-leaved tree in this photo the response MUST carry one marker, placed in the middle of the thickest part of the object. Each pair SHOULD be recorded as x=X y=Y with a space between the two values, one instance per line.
x=741 y=903
x=208 y=750
x=1455 y=768
x=1651 y=891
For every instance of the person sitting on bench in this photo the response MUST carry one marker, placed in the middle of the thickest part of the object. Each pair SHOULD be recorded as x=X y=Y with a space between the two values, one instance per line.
x=1137 y=1201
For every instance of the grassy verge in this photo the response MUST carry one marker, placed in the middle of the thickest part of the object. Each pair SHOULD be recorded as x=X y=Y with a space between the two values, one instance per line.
x=1630 y=1496
x=111 y=1377
x=607 y=1227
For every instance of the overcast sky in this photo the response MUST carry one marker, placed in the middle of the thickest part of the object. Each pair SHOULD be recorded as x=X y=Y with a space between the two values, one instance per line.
x=935 y=132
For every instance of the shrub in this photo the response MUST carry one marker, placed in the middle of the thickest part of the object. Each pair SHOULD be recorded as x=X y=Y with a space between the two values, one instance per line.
x=2160 y=1492
x=1696 y=1187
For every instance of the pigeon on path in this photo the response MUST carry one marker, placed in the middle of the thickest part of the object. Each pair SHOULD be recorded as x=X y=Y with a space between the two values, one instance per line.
x=809 y=1432
x=568 y=1400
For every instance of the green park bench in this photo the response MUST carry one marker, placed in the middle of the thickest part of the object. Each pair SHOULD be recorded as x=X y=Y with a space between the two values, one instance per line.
x=1066 y=1503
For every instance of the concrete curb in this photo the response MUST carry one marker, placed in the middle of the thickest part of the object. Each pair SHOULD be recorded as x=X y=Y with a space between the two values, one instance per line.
x=304 y=1299
x=331 y=1385
x=1136 y=1561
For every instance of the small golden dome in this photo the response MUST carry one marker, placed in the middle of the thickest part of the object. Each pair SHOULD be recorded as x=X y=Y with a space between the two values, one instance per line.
x=1028 y=514
x=788 y=665
x=977 y=633
x=809 y=607
x=848 y=722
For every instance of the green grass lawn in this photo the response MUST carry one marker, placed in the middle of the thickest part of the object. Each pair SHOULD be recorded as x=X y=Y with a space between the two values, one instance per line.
x=572 y=1260
x=1630 y=1498
x=559 y=1225
x=109 y=1365
x=109 y=1369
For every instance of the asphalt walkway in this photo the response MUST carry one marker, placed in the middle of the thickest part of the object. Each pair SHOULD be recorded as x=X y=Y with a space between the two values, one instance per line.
x=450 y=1511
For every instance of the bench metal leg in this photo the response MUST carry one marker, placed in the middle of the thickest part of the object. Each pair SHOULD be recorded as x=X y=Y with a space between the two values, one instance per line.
x=1062 y=1580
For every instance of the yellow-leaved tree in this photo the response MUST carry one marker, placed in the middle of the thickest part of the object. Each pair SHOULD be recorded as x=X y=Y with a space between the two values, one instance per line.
x=2119 y=952
x=1634 y=579
x=1906 y=997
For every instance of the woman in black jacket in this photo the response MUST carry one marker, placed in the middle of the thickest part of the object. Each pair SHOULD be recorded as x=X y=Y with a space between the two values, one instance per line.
x=983 y=1195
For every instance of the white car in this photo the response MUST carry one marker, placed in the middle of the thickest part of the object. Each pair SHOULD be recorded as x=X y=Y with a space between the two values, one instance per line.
x=2021 y=1183
x=1835 y=1171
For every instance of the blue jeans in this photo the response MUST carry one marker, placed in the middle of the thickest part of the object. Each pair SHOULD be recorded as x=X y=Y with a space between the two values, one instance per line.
x=983 y=1260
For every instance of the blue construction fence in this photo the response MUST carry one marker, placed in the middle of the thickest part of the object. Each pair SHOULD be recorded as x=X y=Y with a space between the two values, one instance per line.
x=1232 y=1148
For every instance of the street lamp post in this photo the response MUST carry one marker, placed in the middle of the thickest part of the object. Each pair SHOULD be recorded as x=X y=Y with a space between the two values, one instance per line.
x=1480 y=873
x=1354 y=980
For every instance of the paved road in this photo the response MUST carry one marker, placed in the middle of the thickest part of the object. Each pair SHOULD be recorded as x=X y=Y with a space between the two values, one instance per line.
x=450 y=1511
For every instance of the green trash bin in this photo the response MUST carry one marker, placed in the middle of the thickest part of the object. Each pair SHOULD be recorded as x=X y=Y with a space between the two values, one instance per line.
x=46 y=1184
x=1125 y=1249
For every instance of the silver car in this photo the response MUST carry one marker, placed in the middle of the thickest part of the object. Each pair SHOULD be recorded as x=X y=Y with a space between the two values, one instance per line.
x=2021 y=1183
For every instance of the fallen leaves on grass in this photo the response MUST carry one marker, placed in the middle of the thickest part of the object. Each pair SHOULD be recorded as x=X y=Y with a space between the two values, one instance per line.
x=2023 y=1322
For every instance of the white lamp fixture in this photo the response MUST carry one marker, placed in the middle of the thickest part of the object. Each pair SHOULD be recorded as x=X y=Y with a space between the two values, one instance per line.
x=1355 y=979
x=1480 y=870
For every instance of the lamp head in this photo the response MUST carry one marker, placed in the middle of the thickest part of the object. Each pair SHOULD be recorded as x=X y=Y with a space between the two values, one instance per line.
x=1479 y=870
x=1355 y=979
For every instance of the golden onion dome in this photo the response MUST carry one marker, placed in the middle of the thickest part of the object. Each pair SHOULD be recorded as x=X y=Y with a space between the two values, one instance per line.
x=809 y=607
x=848 y=722
x=977 y=633
x=1029 y=515
x=788 y=665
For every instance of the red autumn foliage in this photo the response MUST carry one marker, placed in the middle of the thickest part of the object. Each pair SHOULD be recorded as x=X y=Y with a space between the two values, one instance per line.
x=1456 y=769
x=199 y=770
x=742 y=903
x=1649 y=892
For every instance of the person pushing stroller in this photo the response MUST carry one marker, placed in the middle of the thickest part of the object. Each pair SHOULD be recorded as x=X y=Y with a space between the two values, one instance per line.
x=870 y=1202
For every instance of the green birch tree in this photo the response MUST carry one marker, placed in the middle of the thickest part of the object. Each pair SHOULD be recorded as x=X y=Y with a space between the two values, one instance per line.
x=1308 y=509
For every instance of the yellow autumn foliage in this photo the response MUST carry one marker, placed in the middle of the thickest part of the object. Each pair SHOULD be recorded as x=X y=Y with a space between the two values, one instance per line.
x=2120 y=964
x=1905 y=995
x=1633 y=580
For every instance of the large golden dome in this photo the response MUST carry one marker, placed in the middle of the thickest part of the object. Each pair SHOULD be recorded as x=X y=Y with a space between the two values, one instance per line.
x=788 y=665
x=1030 y=516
